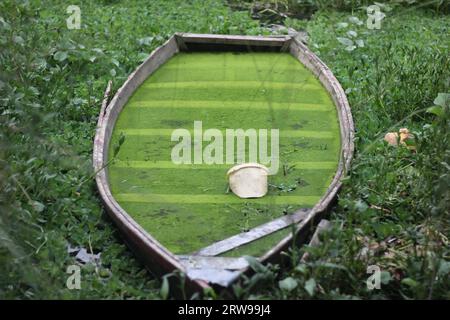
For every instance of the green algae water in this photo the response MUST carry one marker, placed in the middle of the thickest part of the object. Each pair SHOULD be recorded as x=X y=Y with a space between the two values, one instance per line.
x=188 y=207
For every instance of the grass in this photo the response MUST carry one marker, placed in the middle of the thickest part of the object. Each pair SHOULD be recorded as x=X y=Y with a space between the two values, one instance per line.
x=392 y=211
x=188 y=207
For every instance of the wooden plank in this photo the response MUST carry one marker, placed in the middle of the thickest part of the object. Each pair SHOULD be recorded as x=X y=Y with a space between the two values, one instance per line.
x=235 y=39
x=252 y=235
x=201 y=262
x=180 y=41
x=286 y=46
x=221 y=277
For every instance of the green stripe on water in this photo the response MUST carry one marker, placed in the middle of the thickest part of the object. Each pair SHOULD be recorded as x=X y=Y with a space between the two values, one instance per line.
x=299 y=182
x=171 y=165
x=217 y=199
x=235 y=104
x=284 y=133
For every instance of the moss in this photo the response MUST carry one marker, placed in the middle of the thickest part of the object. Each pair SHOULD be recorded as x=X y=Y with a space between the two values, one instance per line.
x=209 y=181
x=154 y=146
x=188 y=207
x=190 y=227
x=260 y=247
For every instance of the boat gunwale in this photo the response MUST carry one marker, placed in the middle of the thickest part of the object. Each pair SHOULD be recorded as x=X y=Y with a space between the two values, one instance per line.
x=147 y=247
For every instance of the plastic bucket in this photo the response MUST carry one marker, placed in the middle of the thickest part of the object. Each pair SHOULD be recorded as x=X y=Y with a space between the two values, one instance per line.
x=248 y=180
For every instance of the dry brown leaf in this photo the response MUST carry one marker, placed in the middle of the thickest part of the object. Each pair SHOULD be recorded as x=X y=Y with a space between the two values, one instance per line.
x=391 y=138
x=403 y=135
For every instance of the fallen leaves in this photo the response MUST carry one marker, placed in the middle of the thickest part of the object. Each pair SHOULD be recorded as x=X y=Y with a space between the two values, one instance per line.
x=403 y=137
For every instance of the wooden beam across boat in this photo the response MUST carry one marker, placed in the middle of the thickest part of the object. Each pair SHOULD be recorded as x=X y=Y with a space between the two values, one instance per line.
x=252 y=234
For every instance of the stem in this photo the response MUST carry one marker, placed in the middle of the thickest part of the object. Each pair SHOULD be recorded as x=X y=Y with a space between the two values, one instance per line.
x=22 y=189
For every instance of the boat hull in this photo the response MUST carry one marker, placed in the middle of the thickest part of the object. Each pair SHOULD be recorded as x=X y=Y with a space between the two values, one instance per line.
x=205 y=270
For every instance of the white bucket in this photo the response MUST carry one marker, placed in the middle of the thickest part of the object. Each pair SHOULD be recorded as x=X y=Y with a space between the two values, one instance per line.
x=248 y=180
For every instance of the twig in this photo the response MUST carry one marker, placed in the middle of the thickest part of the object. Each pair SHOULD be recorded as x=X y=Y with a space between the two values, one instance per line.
x=23 y=190
x=379 y=208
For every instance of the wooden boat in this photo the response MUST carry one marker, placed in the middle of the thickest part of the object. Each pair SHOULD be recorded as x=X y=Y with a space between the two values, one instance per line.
x=182 y=218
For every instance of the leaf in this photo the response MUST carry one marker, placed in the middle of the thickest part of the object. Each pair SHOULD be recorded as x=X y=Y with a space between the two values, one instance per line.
x=164 y=292
x=310 y=286
x=442 y=99
x=350 y=48
x=34 y=90
x=288 y=284
x=104 y=273
x=255 y=264
x=409 y=282
x=360 y=43
x=342 y=25
x=112 y=72
x=115 y=62
x=361 y=206
x=19 y=40
x=436 y=110
x=5 y=24
x=142 y=56
x=60 y=56
x=98 y=51
x=444 y=268
x=385 y=277
x=355 y=20
x=301 y=268
x=352 y=34
x=145 y=41
x=345 y=41
x=121 y=139
x=79 y=101
x=38 y=206
x=119 y=144
x=383 y=6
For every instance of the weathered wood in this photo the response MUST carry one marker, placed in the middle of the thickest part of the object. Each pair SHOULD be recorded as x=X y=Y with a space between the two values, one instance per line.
x=222 y=277
x=104 y=102
x=200 y=262
x=253 y=234
x=180 y=41
x=286 y=46
x=234 y=39
x=212 y=270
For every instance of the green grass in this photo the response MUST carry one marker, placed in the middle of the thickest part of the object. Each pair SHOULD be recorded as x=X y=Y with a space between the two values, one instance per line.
x=48 y=116
x=225 y=91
